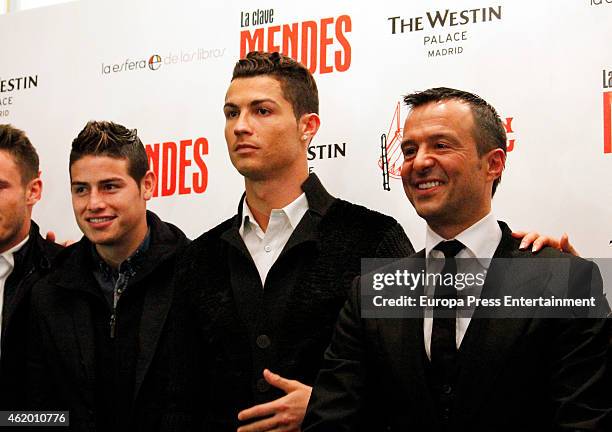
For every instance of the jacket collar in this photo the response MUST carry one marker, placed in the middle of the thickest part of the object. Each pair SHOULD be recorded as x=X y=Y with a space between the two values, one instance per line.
x=319 y=202
x=32 y=250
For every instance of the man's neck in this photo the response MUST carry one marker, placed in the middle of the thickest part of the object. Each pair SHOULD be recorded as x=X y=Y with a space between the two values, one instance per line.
x=450 y=229
x=115 y=254
x=264 y=195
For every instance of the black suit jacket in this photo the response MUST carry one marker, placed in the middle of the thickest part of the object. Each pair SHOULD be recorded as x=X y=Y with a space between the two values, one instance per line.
x=515 y=374
x=62 y=355
x=286 y=325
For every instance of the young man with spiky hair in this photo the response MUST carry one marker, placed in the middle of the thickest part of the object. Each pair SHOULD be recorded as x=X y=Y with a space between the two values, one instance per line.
x=99 y=320
x=24 y=258
x=268 y=283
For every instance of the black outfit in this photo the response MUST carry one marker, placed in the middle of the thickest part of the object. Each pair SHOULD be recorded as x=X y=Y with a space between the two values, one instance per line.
x=109 y=366
x=32 y=262
x=286 y=325
x=513 y=374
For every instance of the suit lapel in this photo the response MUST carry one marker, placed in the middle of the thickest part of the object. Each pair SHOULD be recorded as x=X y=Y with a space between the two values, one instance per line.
x=484 y=349
x=404 y=346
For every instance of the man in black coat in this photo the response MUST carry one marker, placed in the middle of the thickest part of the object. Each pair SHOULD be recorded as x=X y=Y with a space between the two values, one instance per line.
x=101 y=347
x=24 y=258
x=267 y=284
x=492 y=368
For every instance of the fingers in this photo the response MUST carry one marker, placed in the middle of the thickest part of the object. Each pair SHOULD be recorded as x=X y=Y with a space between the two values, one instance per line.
x=278 y=381
x=260 y=425
x=281 y=421
x=261 y=410
x=538 y=242
x=543 y=241
x=50 y=236
x=528 y=239
x=566 y=246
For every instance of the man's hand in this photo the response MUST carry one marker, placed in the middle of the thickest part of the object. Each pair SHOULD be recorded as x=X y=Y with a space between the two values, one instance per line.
x=538 y=242
x=51 y=237
x=284 y=414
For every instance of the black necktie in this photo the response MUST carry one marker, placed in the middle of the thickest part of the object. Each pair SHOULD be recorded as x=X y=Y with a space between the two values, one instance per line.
x=443 y=333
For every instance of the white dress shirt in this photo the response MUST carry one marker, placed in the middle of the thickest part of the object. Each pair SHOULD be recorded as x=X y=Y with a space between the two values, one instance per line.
x=7 y=263
x=481 y=241
x=265 y=247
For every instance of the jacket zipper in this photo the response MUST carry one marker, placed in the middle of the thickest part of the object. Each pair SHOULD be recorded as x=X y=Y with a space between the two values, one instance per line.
x=113 y=318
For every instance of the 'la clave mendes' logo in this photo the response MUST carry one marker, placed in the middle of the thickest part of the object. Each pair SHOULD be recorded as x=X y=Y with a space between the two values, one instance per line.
x=391 y=157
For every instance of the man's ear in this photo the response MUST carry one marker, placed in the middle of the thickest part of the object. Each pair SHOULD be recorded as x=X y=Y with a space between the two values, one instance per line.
x=496 y=162
x=148 y=185
x=34 y=191
x=308 y=126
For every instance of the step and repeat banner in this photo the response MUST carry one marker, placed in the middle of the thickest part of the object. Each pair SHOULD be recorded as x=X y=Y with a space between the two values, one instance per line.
x=163 y=68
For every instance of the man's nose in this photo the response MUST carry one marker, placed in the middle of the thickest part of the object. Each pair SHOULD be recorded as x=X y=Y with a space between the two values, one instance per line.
x=96 y=201
x=423 y=160
x=242 y=124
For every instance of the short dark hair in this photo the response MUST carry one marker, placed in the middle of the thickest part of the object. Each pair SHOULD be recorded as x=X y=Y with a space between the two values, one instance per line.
x=297 y=83
x=489 y=132
x=104 y=138
x=16 y=143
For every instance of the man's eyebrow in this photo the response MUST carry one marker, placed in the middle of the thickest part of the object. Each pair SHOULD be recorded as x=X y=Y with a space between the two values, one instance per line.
x=252 y=103
x=441 y=136
x=108 y=180
x=260 y=101
x=111 y=179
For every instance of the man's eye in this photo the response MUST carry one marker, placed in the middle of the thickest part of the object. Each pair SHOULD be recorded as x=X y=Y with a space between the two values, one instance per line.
x=409 y=151
x=441 y=145
x=263 y=111
x=78 y=189
x=231 y=114
x=110 y=186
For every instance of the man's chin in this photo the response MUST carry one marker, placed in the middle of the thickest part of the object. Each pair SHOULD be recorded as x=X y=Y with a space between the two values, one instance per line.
x=430 y=213
x=252 y=173
x=101 y=240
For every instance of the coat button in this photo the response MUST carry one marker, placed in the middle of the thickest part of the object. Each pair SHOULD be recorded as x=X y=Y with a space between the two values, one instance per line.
x=445 y=414
x=263 y=341
x=262 y=385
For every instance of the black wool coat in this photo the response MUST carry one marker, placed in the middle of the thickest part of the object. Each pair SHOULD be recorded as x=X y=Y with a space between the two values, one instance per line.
x=62 y=361
x=32 y=262
x=286 y=325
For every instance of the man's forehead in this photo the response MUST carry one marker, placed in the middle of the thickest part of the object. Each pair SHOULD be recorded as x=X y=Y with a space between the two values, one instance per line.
x=6 y=157
x=451 y=114
x=249 y=89
x=9 y=166
x=96 y=168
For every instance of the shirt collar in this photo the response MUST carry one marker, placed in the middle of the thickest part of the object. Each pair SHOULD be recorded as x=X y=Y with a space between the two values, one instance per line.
x=9 y=255
x=294 y=211
x=480 y=240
